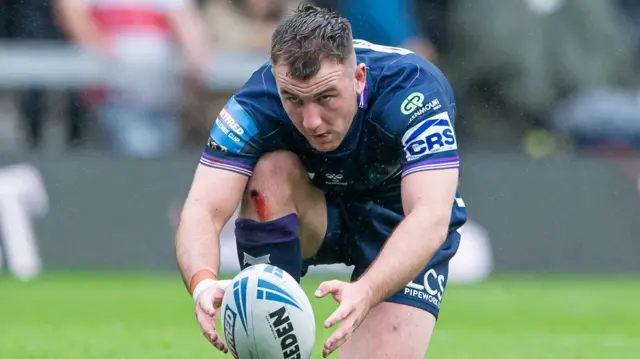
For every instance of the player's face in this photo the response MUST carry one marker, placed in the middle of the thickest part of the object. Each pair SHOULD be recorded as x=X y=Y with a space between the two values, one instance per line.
x=323 y=107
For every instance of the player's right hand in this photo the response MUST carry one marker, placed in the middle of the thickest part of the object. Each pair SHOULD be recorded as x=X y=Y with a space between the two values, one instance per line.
x=208 y=303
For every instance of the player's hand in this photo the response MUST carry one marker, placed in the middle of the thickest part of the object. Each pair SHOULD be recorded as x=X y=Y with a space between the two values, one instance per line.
x=354 y=307
x=208 y=305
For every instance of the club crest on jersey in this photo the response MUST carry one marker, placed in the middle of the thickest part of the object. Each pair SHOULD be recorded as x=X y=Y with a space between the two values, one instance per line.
x=433 y=135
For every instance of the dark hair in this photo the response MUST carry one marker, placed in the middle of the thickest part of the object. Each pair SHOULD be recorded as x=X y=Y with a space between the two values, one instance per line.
x=308 y=36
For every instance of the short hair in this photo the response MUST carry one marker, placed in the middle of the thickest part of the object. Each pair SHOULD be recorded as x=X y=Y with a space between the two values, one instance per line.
x=308 y=36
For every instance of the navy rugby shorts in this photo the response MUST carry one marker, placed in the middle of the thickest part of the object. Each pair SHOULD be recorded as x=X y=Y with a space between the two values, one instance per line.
x=355 y=235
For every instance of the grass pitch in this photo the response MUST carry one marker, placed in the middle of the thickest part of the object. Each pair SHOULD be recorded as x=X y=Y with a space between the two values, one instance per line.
x=138 y=316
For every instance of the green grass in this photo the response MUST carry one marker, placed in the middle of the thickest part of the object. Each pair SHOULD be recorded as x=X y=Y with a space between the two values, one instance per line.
x=111 y=316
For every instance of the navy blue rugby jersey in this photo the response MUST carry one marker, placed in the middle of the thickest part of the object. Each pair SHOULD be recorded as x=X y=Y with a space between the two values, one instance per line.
x=404 y=124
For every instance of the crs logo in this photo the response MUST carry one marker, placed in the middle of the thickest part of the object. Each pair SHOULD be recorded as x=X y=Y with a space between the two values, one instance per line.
x=411 y=103
x=429 y=136
x=431 y=289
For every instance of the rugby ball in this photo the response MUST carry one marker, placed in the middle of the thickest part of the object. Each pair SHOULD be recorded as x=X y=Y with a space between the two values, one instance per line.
x=266 y=315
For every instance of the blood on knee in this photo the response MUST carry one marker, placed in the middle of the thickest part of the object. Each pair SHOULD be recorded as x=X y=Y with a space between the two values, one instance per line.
x=259 y=203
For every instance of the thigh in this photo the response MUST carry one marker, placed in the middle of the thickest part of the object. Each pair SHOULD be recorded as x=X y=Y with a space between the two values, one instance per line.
x=401 y=326
x=279 y=186
x=315 y=219
x=391 y=331
x=426 y=290
x=334 y=248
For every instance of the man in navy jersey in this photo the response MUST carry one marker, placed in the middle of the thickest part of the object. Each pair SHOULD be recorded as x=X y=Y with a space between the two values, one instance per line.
x=338 y=151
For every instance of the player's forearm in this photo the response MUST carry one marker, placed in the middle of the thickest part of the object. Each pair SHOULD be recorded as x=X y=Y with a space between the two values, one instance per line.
x=197 y=242
x=406 y=252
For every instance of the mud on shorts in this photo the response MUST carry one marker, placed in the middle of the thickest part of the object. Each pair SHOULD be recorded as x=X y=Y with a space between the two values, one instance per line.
x=355 y=235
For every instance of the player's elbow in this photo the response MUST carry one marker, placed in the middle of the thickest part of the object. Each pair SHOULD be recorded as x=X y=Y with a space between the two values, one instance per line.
x=198 y=213
x=435 y=219
x=440 y=226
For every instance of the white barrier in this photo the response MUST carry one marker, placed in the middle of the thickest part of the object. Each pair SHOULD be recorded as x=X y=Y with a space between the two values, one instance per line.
x=22 y=197
x=55 y=65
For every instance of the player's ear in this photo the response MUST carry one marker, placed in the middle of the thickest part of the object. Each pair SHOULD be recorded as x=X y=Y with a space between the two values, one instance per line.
x=360 y=78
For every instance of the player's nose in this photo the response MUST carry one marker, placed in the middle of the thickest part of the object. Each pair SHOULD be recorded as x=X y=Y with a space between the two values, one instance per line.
x=311 y=119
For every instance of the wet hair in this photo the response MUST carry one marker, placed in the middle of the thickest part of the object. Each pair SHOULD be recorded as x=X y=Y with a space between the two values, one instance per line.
x=310 y=35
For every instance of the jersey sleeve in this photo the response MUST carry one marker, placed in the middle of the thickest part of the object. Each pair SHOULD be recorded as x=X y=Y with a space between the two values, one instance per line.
x=234 y=141
x=419 y=109
x=247 y=126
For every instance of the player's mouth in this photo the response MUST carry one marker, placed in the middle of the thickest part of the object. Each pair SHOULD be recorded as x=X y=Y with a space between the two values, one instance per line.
x=321 y=137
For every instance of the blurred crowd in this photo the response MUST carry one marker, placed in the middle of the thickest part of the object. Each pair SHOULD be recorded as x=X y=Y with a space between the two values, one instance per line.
x=538 y=76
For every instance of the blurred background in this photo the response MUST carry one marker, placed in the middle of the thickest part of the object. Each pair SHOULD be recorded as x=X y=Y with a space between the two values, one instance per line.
x=105 y=106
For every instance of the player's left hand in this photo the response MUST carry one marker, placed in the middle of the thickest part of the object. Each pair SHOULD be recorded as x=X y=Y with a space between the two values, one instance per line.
x=354 y=306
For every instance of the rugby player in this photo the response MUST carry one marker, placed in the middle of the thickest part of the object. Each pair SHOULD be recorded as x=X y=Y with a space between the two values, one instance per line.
x=338 y=151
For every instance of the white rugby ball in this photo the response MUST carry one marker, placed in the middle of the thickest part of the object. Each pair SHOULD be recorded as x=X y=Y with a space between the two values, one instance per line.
x=266 y=315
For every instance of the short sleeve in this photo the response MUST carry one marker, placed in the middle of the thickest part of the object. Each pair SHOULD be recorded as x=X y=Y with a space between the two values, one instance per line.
x=419 y=109
x=234 y=141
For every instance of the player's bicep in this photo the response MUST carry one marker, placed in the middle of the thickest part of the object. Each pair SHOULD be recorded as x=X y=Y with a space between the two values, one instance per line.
x=418 y=110
x=216 y=192
x=431 y=190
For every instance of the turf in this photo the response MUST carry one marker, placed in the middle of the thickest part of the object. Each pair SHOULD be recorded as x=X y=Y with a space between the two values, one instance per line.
x=111 y=316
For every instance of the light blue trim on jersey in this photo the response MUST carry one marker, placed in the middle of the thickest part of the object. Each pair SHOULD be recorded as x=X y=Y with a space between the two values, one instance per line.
x=233 y=128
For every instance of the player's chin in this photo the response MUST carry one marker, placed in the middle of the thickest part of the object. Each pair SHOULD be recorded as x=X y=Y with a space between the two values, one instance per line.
x=324 y=144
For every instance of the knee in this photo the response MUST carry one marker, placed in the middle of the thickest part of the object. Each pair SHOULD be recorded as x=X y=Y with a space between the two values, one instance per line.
x=279 y=167
x=270 y=191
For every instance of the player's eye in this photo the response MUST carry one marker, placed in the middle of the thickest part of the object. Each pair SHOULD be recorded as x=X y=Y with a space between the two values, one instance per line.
x=293 y=99
x=326 y=98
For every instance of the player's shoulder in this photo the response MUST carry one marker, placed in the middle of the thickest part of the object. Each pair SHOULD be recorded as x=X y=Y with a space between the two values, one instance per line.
x=395 y=68
x=256 y=104
x=252 y=115
x=406 y=88
x=259 y=97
